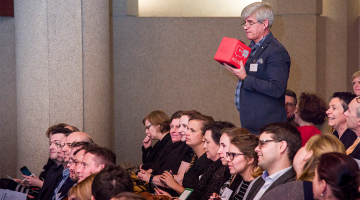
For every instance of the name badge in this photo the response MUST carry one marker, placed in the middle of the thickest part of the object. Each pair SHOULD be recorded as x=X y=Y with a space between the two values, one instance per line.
x=253 y=67
x=226 y=194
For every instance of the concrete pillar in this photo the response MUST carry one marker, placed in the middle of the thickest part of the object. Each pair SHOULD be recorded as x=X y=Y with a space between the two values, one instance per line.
x=56 y=66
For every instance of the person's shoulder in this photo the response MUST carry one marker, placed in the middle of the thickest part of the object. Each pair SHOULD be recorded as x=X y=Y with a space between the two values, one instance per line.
x=290 y=190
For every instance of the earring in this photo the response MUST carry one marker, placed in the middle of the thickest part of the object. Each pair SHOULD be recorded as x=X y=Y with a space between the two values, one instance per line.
x=322 y=194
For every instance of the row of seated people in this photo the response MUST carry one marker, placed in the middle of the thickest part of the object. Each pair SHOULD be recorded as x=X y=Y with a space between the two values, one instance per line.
x=231 y=163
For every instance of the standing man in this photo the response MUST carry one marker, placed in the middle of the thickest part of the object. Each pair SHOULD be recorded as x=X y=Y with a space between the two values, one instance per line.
x=260 y=93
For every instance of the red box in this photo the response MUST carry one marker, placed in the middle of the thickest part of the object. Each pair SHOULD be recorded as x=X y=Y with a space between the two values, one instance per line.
x=231 y=51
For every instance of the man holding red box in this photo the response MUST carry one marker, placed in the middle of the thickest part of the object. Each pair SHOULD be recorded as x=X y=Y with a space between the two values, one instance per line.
x=260 y=93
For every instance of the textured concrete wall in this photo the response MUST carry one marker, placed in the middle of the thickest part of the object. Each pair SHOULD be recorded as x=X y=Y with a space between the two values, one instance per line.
x=7 y=98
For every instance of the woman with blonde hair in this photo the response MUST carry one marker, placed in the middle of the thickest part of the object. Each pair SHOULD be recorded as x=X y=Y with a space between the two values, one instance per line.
x=82 y=191
x=305 y=162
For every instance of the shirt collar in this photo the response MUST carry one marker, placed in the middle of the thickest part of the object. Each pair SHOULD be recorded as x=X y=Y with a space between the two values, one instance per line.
x=66 y=172
x=276 y=175
x=260 y=42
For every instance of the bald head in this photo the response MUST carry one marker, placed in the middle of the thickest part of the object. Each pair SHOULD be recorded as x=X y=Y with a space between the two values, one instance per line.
x=74 y=137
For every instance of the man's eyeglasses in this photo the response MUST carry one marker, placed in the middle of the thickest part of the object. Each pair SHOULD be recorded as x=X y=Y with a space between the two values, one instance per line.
x=249 y=24
x=147 y=127
x=289 y=105
x=232 y=155
x=263 y=142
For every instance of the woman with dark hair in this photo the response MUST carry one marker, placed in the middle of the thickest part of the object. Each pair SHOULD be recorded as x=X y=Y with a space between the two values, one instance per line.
x=310 y=111
x=336 y=177
x=206 y=175
x=157 y=127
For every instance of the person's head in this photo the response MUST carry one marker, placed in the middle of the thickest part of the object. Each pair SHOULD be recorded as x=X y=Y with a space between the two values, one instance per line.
x=82 y=190
x=307 y=158
x=290 y=103
x=71 y=164
x=111 y=181
x=174 y=126
x=278 y=144
x=156 y=123
x=51 y=128
x=337 y=107
x=128 y=196
x=74 y=137
x=95 y=159
x=311 y=108
x=184 y=120
x=257 y=18
x=242 y=158
x=212 y=138
x=356 y=83
x=196 y=130
x=336 y=177
x=225 y=139
x=353 y=115
x=56 y=137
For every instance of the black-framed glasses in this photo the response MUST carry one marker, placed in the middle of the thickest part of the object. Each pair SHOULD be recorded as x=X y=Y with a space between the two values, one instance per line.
x=263 y=142
x=147 y=127
x=231 y=155
x=358 y=99
x=249 y=24
x=289 y=105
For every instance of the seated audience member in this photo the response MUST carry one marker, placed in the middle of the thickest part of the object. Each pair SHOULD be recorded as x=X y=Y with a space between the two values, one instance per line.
x=77 y=158
x=337 y=119
x=206 y=175
x=336 y=177
x=55 y=173
x=228 y=134
x=157 y=127
x=82 y=190
x=184 y=120
x=71 y=164
x=278 y=144
x=310 y=111
x=128 y=196
x=352 y=122
x=175 y=157
x=290 y=105
x=356 y=83
x=109 y=182
x=74 y=137
x=305 y=162
x=33 y=181
x=95 y=159
x=242 y=160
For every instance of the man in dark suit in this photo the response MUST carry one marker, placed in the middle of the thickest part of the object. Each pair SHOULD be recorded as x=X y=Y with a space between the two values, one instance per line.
x=353 y=123
x=260 y=93
x=278 y=144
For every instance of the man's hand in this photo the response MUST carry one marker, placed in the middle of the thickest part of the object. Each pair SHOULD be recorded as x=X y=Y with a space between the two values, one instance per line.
x=144 y=176
x=33 y=181
x=147 y=142
x=240 y=73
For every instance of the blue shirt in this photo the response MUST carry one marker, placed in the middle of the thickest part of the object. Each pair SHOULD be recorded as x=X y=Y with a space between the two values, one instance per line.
x=65 y=175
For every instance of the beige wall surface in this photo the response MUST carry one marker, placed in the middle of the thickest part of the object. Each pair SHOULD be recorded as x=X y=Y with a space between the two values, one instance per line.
x=8 y=148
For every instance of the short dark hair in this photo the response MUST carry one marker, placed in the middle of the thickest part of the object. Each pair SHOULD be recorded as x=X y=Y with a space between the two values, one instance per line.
x=345 y=98
x=64 y=131
x=176 y=115
x=205 y=120
x=102 y=155
x=79 y=144
x=51 y=128
x=85 y=147
x=292 y=94
x=312 y=108
x=191 y=113
x=111 y=181
x=341 y=173
x=216 y=128
x=283 y=131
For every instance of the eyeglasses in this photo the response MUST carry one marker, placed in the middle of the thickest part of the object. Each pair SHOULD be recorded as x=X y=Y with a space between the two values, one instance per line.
x=263 y=142
x=289 y=105
x=232 y=155
x=249 y=24
x=147 y=127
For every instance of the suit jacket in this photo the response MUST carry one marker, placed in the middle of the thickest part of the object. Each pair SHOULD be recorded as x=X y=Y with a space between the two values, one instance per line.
x=296 y=190
x=66 y=187
x=51 y=181
x=289 y=176
x=262 y=93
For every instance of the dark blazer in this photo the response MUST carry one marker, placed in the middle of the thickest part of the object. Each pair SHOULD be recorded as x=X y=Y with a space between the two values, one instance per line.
x=66 y=187
x=262 y=93
x=296 y=190
x=356 y=152
x=347 y=138
x=52 y=178
x=152 y=153
x=285 y=178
